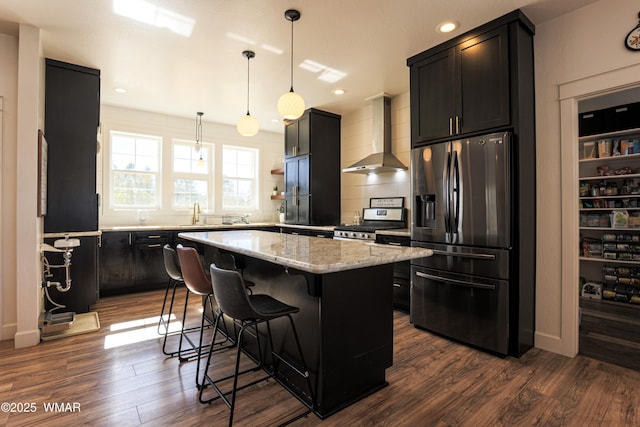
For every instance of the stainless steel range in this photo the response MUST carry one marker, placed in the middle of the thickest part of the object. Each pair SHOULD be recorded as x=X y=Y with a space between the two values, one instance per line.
x=373 y=219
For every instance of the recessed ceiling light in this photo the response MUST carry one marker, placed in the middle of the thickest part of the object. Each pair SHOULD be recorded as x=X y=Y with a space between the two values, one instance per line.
x=447 y=26
x=120 y=89
x=339 y=91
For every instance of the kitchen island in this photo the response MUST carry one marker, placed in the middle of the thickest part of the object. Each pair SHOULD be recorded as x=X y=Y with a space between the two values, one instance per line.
x=345 y=294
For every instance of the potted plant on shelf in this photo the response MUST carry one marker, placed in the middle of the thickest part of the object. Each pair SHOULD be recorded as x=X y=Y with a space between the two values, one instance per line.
x=275 y=190
x=281 y=213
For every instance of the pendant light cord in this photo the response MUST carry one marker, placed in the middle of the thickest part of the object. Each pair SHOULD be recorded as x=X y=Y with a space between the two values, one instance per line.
x=291 y=90
x=248 y=60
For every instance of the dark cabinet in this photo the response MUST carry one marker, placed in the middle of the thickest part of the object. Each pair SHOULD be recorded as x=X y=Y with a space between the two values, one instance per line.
x=401 y=272
x=296 y=139
x=72 y=116
x=461 y=87
x=149 y=271
x=116 y=263
x=83 y=273
x=312 y=169
x=132 y=261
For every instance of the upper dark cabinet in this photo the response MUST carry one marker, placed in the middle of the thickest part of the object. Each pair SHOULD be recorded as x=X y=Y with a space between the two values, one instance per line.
x=71 y=120
x=296 y=137
x=463 y=86
x=312 y=169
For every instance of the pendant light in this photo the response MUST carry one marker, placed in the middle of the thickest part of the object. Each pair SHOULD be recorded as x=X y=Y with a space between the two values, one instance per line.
x=199 y=137
x=248 y=125
x=291 y=104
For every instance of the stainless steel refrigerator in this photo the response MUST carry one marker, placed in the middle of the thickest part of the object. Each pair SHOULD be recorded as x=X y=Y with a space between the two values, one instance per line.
x=462 y=209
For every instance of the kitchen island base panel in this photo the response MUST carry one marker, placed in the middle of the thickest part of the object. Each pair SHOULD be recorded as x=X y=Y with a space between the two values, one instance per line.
x=345 y=325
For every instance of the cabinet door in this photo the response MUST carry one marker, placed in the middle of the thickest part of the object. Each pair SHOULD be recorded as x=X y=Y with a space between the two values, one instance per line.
x=304 y=173
x=484 y=82
x=432 y=97
x=116 y=263
x=290 y=139
x=304 y=212
x=149 y=266
x=290 y=176
x=72 y=105
x=304 y=134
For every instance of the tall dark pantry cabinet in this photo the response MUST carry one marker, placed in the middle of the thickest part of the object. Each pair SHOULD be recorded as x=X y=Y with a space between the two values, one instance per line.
x=473 y=113
x=312 y=169
x=72 y=116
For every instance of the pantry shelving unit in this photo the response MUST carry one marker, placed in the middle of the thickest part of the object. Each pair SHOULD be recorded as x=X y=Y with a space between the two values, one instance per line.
x=610 y=253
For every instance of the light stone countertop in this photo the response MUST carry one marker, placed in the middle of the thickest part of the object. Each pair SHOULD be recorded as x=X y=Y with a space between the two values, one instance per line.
x=311 y=254
x=185 y=227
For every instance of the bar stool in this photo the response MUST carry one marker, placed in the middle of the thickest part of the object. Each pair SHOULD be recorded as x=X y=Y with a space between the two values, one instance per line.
x=227 y=261
x=198 y=283
x=248 y=311
x=172 y=267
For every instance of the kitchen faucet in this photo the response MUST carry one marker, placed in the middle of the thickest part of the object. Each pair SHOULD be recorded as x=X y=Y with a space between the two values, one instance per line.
x=196 y=213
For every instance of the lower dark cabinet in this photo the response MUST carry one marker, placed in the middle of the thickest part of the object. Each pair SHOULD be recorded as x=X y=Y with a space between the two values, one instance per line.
x=116 y=263
x=149 y=271
x=132 y=262
x=83 y=273
x=401 y=273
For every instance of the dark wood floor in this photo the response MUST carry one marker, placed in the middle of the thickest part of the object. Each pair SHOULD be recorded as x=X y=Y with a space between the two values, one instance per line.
x=433 y=382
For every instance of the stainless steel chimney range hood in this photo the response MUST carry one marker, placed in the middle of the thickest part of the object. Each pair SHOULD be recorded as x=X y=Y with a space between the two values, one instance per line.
x=382 y=160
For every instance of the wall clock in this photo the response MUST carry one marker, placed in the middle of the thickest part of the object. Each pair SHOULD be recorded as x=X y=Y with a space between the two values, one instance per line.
x=632 y=41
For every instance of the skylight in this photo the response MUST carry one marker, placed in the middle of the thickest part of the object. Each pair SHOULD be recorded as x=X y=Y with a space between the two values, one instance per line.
x=150 y=14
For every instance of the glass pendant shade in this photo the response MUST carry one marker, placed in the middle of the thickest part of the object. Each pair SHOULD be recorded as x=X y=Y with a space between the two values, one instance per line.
x=291 y=105
x=248 y=125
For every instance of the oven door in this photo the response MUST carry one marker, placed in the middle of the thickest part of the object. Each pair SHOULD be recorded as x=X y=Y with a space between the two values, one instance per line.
x=466 y=308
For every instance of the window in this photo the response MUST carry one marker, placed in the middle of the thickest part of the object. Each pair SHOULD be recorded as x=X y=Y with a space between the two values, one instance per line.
x=192 y=177
x=135 y=178
x=240 y=182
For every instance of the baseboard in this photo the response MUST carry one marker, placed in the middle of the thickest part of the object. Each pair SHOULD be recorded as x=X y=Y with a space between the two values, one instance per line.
x=27 y=338
x=550 y=343
x=8 y=331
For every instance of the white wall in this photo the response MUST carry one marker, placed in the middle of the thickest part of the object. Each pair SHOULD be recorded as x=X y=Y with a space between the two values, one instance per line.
x=586 y=42
x=356 y=144
x=8 y=90
x=28 y=227
x=271 y=147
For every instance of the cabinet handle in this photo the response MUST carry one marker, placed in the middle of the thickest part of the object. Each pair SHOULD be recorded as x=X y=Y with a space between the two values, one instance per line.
x=294 y=149
x=450 y=125
x=395 y=243
x=153 y=237
x=457 y=125
x=129 y=239
x=155 y=245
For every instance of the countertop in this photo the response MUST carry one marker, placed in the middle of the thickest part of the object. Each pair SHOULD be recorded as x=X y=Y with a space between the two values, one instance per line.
x=186 y=227
x=318 y=256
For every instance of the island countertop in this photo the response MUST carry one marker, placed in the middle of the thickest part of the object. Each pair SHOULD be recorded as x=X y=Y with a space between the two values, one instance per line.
x=306 y=253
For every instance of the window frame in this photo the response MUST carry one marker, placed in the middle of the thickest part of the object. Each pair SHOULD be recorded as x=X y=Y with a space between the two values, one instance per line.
x=112 y=172
x=256 y=178
x=209 y=176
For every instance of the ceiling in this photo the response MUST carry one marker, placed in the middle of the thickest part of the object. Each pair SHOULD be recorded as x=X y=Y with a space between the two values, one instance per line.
x=363 y=43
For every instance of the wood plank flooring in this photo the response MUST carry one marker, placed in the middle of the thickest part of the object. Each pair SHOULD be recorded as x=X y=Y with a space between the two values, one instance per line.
x=433 y=382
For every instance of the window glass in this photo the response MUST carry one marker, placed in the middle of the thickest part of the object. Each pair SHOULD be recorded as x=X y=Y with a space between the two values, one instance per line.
x=192 y=177
x=240 y=183
x=135 y=163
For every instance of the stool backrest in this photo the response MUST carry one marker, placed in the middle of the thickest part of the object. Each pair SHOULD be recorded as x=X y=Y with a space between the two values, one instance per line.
x=224 y=260
x=193 y=273
x=171 y=263
x=231 y=294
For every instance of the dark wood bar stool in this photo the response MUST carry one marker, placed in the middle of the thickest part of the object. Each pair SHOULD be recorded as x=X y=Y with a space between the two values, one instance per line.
x=247 y=312
x=198 y=283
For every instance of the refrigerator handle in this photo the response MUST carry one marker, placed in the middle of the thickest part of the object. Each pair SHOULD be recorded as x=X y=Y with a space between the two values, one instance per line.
x=455 y=281
x=455 y=193
x=446 y=183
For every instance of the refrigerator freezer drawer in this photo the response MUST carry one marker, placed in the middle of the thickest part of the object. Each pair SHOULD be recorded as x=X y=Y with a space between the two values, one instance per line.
x=486 y=262
x=467 y=309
